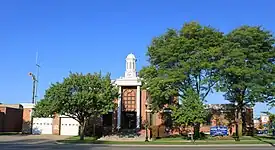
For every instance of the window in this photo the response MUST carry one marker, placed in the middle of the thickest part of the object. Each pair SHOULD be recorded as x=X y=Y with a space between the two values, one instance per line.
x=107 y=119
x=129 y=100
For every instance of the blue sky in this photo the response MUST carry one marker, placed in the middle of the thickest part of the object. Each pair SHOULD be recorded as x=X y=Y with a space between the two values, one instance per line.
x=94 y=35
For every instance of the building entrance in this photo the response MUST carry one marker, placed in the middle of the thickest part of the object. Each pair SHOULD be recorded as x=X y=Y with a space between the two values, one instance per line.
x=128 y=120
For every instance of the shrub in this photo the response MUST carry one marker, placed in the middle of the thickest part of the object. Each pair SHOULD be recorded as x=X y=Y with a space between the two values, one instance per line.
x=154 y=130
x=203 y=136
x=162 y=131
x=96 y=131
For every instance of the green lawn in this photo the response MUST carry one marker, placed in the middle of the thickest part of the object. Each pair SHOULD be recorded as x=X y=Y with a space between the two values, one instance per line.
x=76 y=139
x=176 y=141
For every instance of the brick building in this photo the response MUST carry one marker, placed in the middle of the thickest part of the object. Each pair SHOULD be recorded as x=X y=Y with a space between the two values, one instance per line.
x=132 y=111
x=11 y=118
x=27 y=117
x=130 y=114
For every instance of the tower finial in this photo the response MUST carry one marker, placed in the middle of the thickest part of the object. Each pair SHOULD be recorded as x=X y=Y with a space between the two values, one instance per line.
x=130 y=66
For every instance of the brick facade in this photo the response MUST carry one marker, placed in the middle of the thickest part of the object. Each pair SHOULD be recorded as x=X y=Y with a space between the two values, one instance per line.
x=26 y=127
x=27 y=118
x=56 y=124
x=11 y=118
x=1 y=121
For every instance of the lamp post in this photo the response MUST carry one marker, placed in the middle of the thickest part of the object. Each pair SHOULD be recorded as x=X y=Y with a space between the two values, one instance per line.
x=237 y=122
x=221 y=118
x=33 y=86
x=146 y=122
x=33 y=97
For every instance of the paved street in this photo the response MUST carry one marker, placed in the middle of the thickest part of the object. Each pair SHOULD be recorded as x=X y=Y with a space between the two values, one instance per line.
x=49 y=146
x=30 y=139
x=47 y=142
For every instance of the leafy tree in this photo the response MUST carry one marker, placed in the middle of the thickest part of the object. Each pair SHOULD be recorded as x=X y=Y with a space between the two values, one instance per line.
x=80 y=97
x=271 y=122
x=44 y=108
x=247 y=68
x=182 y=59
x=190 y=112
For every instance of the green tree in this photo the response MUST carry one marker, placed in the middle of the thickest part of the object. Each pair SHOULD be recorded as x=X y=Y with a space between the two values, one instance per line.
x=80 y=97
x=182 y=59
x=190 y=112
x=271 y=122
x=247 y=68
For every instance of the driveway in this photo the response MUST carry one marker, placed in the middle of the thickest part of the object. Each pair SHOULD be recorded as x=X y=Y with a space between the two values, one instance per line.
x=30 y=139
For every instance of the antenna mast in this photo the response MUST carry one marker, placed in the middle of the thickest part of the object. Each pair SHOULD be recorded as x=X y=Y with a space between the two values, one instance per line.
x=37 y=77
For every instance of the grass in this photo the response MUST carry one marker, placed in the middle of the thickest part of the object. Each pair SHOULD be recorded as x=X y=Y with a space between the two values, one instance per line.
x=175 y=141
x=207 y=138
x=9 y=133
x=76 y=139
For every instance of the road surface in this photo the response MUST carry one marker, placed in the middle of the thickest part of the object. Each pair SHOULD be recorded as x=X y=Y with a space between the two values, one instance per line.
x=52 y=146
x=31 y=142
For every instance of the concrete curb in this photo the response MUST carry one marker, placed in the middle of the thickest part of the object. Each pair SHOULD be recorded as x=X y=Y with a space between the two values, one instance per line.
x=160 y=145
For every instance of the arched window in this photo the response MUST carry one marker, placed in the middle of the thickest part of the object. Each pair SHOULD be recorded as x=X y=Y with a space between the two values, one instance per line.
x=129 y=100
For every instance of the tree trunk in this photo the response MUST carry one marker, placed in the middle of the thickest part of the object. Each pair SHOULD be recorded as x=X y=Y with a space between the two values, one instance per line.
x=240 y=124
x=192 y=133
x=237 y=125
x=197 y=131
x=82 y=129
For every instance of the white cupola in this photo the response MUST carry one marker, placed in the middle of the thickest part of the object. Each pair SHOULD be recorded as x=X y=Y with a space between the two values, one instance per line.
x=130 y=66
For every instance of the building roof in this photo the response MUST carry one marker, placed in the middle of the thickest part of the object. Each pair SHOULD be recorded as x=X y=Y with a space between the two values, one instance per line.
x=131 y=56
x=18 y=106
x=28 y=105
x=223 y=106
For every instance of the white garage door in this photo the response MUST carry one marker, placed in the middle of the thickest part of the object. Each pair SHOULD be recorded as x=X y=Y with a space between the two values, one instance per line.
x=69 y=126
x=42 y=126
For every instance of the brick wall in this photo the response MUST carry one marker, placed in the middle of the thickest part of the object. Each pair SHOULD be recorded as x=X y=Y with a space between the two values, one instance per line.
x=1 y=121
x=56 y=124
x=26 y=125
x=114 y=119
x=143 y=107
x=10 y=119
x=13 y=120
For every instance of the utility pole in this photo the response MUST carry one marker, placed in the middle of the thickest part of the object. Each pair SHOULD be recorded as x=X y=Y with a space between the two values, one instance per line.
x=33 y=86
x=35 y=81
x=37 y=76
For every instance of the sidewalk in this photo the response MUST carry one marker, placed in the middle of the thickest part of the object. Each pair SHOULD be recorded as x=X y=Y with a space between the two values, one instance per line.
x=160 y=145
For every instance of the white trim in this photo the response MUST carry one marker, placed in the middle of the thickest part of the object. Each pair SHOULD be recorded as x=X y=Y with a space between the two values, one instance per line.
x=28 y=105
x=128 y=81
x=138 y=106
x=119 y=109
x=147 y=110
